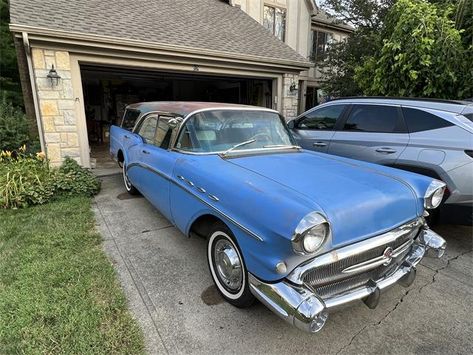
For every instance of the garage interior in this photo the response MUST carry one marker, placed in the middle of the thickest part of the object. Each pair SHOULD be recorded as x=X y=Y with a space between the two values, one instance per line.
x=108 y=90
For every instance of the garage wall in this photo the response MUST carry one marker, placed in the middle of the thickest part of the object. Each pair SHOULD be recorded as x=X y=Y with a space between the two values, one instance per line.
x=56 y=105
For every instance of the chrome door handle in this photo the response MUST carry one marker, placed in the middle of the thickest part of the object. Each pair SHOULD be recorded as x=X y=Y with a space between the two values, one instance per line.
x=320 y=144
x=386 y=150
x=145 y=151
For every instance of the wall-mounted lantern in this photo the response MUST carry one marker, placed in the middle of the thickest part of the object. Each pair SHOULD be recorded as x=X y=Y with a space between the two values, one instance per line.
x=293 y=87
x=53 y=76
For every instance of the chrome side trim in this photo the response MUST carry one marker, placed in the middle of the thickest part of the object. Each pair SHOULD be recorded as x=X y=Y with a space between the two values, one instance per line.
x=224 y=215
x=298 y=273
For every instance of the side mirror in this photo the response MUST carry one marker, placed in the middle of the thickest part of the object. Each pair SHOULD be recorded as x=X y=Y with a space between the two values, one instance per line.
x=291 y=124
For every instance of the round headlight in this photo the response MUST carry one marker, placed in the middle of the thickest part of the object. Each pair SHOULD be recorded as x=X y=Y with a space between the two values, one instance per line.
x=314 y=238
x=310 y=234
x=434 y=194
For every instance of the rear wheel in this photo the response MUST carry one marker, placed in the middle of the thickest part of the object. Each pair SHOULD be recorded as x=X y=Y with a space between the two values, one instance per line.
x=128 y=185
x=227 y=266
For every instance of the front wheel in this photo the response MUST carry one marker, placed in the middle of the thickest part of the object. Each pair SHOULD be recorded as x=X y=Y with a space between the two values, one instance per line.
x=227 y=267
x=128 y=185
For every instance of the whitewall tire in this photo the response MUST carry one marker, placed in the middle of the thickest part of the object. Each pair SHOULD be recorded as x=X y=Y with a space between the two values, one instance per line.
x=227 y=267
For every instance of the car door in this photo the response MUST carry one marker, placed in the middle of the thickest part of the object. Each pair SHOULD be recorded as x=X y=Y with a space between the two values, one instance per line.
x=371 y=132
x=156 y=162
x=314 y=129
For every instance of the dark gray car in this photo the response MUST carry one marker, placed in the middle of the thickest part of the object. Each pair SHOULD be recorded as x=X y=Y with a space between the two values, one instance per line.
x=430 y=137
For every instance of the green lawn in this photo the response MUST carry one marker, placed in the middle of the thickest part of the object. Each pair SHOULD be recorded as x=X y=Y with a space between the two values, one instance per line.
x=58 y=290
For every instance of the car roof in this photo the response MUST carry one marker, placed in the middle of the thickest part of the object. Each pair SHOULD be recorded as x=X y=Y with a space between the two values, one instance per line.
x=455 y=106
x=183 y=108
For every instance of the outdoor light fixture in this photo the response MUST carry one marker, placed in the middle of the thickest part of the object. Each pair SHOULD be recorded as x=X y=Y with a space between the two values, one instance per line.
x=53 y=76
x=293 y=87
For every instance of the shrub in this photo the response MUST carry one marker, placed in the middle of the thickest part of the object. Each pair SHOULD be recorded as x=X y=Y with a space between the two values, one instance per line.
x=13 y=127
x=27 y=179
x=72 y=179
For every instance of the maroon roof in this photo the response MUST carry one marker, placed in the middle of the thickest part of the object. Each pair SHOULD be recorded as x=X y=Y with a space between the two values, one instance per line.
x=183 y=108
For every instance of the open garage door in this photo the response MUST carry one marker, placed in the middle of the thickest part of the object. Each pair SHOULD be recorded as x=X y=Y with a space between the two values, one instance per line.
x=108 y=90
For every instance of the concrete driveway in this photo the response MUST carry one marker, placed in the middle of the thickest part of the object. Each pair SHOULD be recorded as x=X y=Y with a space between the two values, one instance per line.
x=167 y=282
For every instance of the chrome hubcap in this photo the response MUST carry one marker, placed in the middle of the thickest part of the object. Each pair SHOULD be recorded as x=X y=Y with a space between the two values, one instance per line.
x=228 y=265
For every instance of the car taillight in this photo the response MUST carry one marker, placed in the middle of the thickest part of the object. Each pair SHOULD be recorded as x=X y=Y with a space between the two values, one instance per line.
x=469 y=152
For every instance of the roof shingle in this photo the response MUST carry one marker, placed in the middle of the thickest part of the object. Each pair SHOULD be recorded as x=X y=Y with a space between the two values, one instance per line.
x=197 y=24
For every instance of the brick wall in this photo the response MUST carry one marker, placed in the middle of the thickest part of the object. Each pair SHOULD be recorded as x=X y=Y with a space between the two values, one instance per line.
x=56 y=105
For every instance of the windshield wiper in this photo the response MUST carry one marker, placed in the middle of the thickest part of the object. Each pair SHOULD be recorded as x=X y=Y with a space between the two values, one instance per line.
x=238 y=145
x=282 y=146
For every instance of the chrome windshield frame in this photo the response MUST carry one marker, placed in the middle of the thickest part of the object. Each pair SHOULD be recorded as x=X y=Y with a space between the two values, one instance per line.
x=182 y=123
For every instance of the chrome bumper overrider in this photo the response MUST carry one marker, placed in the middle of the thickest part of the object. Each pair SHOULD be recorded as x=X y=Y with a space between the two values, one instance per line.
x=300 y=306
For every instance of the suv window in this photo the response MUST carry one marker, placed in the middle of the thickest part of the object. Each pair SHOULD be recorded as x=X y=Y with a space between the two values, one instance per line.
x=322 y=119
x=418 y=120
x=373 y=118
x=147 y=129
x=129 y=119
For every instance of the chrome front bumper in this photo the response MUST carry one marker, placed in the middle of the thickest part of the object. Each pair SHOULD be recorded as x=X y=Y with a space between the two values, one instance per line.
x=300 y=306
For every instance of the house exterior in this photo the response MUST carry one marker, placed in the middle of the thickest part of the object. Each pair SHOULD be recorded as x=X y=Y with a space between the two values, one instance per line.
x=82 y=62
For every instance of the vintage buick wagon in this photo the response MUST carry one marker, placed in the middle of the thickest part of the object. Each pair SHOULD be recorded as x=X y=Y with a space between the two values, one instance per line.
x=303 y=232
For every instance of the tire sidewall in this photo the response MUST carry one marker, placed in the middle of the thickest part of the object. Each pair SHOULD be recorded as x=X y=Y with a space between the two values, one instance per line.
x=215 y=235
x=125 y=178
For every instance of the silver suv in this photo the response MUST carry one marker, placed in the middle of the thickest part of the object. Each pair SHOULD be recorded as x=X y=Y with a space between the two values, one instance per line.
x=430 y=137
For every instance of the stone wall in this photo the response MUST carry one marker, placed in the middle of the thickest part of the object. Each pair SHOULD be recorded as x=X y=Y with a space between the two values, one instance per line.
x=56 y=105
x=290 y=99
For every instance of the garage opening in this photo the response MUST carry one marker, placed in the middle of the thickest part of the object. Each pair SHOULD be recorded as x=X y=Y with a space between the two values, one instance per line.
x=108 y=90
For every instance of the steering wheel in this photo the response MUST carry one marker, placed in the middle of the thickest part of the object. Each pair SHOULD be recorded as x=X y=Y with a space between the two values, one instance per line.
x=266 y=136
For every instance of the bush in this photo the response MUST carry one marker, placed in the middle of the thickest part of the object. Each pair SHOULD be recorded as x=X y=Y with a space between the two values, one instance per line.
x=72 y=179
x=13 y=127
x=27 y=179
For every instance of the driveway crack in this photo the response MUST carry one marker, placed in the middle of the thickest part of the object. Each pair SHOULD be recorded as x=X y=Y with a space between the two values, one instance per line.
x=437 y=271
x=374 y=324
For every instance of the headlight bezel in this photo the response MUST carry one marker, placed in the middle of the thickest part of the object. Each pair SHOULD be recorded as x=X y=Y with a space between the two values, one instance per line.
x=313 y=220
x=435 y=188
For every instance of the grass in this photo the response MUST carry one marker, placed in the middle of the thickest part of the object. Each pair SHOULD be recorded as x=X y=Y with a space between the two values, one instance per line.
x=58 y=290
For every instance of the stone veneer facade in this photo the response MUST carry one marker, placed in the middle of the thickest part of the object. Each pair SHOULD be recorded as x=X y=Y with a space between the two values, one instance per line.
x=56 y=105
x=290 y=100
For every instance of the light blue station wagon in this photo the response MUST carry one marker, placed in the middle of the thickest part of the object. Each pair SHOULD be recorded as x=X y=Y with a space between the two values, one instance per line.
x=301 y=231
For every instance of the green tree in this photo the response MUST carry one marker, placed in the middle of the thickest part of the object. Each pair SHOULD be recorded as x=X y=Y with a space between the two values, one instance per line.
x=421 y=55
x=367 y=18
x=10 y=89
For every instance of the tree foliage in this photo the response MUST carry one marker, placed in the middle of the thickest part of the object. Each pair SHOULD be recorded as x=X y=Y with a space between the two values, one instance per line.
x=10 y=89
x=434 y=58
x=421 y=55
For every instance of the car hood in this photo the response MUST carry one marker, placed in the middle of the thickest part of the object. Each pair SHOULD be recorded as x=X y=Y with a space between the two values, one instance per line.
x=358 y=201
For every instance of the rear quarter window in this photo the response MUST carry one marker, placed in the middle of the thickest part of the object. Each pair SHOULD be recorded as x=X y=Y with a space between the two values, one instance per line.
x=129 y=119
x=418 y=120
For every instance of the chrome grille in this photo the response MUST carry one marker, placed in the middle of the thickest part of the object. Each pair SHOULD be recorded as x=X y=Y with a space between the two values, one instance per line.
x=328 y=280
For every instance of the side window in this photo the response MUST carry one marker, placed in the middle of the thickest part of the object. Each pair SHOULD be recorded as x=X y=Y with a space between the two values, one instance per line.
x=163 y=132
x=147 y=129
x=373 y=118
x=418 y=120
x=129 y=119
x=323 y=119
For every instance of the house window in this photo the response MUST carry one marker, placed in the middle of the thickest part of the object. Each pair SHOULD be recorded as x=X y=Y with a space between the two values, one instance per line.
x=320 y=42
x=275 y=21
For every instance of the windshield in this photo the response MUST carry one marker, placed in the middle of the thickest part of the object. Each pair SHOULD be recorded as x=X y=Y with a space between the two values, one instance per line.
x=224 y=130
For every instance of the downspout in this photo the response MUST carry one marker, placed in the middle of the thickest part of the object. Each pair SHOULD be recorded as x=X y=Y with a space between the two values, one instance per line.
x=26 y=44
